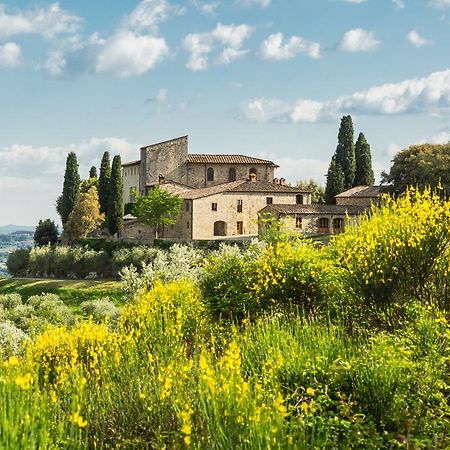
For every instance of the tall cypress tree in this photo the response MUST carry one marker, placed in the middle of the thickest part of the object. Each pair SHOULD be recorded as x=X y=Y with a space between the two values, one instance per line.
x=345 y=151
x=93 y=172
x=335 y=181
x=114 y=218
x=364 y=172
x=71 y=188
x=103 y=183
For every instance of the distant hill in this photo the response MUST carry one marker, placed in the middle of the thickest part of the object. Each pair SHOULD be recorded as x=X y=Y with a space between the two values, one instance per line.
x=7 y=229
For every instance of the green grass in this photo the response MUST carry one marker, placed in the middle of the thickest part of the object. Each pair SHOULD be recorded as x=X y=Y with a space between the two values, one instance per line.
x=71 y=292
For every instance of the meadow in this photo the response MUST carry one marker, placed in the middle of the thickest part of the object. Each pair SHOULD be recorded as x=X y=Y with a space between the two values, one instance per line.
x=284 y=344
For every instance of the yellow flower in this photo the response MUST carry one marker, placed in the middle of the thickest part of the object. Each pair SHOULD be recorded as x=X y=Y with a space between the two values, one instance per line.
x=12 y=361
x=310 y=391
x=24 y=381
x=77 y=419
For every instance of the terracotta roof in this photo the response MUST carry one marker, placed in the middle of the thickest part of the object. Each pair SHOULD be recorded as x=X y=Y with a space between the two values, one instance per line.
x=362 y=192
x=243 y=186
x=131 y=163
x=314 y=209
x=228 y=159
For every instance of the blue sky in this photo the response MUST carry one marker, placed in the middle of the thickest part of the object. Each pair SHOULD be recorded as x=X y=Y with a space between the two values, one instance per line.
x=269 y=78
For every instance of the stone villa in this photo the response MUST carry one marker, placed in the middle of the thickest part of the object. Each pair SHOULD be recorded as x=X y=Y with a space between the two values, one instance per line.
x=222 y=194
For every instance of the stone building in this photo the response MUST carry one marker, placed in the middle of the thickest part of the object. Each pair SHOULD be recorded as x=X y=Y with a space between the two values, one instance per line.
x=323 y=219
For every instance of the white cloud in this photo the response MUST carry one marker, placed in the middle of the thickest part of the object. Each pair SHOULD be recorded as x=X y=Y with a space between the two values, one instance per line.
x=262 y=3
x=414 y=95
x=358 y=40
x=228 y=39
x=10 y=55
x=127 y=54
x=48 y=22
x=441 y=4
x=417 y=40
x=355 y=1
x=399 y=3
x=275 y=48
x=208 y=8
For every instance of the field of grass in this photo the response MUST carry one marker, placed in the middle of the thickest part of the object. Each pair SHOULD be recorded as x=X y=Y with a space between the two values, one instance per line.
x=71 y=292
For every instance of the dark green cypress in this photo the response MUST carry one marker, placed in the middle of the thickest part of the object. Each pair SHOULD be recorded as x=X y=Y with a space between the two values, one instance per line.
x=93 y=172
x=364 y=172
x=335 y=181
x=114 y=218
x=71 y=188
x=103 y=183
x=345 y=151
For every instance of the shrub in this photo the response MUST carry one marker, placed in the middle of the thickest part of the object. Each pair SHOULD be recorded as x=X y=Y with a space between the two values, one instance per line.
x=100 y=309
x=11 y=339
x=18 y=261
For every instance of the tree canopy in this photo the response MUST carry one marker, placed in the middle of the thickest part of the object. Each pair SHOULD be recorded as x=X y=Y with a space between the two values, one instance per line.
x=103 y=182
x=158 y=207
x=317 y=190
x=46 y=233
x=335 y=181
x=364 y=172
x=420 y=165
x=71 y=188
x=114 y=215
x=345 y=151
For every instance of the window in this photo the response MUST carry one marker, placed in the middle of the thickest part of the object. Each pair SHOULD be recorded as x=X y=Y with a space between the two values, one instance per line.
x=187 y=206
x=324 y=224
x=187 y=224
x=210 y=174
x=252 y=174
x=299 y=199
x=240 y=228
x=239 y=206
x=269 y=200
x=132 y=196
x=298 y=222
x=220 y=228
x=232 y=174
x=338 y=225
x=213 y=206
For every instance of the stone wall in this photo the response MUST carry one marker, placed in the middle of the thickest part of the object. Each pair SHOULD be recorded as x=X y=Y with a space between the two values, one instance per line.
x=196 y=173
x=357 y=201
x=130 y=175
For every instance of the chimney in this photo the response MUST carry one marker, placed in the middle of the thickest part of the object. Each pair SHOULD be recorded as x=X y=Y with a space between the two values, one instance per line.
x=253 y=177
x=275 y=181
x=282 y=181
x=161 y=179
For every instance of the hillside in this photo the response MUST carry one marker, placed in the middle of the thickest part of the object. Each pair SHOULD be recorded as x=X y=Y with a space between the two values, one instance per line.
x=8 y=229
x=11 y=241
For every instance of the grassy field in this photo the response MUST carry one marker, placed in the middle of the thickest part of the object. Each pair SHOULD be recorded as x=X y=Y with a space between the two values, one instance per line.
x=71 y=292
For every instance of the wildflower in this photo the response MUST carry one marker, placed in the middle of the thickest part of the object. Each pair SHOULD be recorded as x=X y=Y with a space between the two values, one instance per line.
x=24 y=381
x=310 y=391
x=76 y=419
x=12 y=361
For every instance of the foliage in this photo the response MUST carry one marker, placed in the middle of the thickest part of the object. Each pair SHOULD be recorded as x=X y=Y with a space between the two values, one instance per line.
x=103 y=183
x=335 y=181
x=100 y=310
x=421 y=166
x=93 y=172
x=86 y=185
x=71 y=188
x=158 y=207
x=391 y=256
x=85 y=217
x=317 y=190
x=345 y=151
x=18 y=261
x=46 y=233
x=364 y=172
x=114 y=216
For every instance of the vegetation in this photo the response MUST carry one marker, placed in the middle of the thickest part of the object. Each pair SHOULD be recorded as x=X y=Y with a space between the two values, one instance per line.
x=46 y=233
x=103 y=183
x=363 y=172
x=345 y=151
x=157 y=208
x=279 y=345
x=421 y=166
x=317 y=190
x=114 y=216
x=335 y=181
x=93 y=172
x=85 y=216
x=71 y=188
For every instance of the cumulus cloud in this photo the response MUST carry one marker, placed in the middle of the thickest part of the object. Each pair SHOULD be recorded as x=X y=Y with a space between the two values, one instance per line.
x=417 y=40
x=48 y=22
x=399 y=3
x=275 y=47
x=208 y=8
x=358 y=40
x=441 y=4
x=227 y=39
x=262 y=3
x=10 y=55
x=413 y=95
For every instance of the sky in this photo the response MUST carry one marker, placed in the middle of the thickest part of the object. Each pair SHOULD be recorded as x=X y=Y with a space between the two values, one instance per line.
x=267 y=78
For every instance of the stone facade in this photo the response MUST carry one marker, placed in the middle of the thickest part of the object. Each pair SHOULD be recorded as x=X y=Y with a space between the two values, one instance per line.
x=360 y=196
x=131 y=180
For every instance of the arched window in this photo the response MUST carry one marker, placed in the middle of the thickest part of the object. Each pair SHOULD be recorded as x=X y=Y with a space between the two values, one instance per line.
x=299 y=199
x=210 y=174
x=338 y=225
x=232 y=174
x=220 y=228
x=252 y=173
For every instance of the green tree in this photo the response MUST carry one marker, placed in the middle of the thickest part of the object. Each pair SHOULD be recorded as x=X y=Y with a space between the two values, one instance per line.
x=421 y=166
x=93 y=172
x=335 y=181
x=114 y=216
x=364 y=172
x=103 y=183
x=71 y=188
x=46 y=233
x=345 y=151
x=85 y=217
x=158 y=207
x=317 y=190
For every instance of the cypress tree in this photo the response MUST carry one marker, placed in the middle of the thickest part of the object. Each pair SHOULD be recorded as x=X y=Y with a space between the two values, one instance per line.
x=103 y=183
x=335 y=181
x=93 y=172
x=114 y=217
x=71 y=188
x=364 y=172
x=345 y=151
